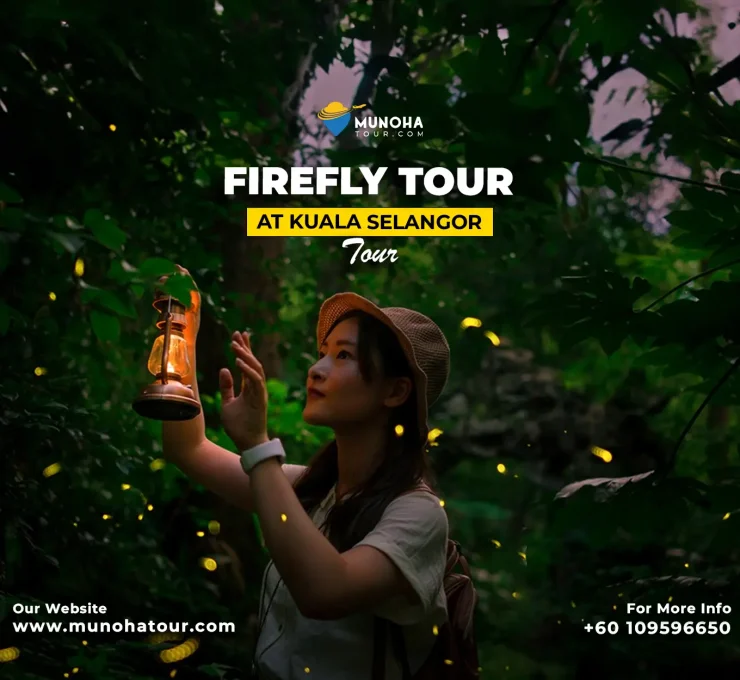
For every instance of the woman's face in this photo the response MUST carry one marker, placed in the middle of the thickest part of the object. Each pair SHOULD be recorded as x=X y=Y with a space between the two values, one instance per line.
x=337 y=393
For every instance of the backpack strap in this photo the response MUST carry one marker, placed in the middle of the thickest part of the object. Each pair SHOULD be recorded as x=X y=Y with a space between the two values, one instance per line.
x=455 y=557
x=399 y=649
x=380 y=630
x=379 y=634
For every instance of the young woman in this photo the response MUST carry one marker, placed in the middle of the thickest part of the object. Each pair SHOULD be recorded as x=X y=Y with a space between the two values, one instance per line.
x=357 y=536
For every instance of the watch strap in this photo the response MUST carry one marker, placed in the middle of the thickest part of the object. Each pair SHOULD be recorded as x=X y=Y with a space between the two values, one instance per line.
x=270 y=449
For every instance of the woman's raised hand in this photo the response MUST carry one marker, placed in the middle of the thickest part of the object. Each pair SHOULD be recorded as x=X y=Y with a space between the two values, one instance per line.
x=244 y=417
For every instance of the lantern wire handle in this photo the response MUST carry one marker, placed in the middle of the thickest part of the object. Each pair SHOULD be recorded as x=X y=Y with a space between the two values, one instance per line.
x=166 y=349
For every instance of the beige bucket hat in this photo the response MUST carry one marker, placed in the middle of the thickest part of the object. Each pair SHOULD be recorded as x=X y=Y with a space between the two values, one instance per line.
x=423 y=343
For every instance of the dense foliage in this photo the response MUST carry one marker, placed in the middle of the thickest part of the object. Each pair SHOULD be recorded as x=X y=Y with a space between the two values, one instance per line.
x=607 y=347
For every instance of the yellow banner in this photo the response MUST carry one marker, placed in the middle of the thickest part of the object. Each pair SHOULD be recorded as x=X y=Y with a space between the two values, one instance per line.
x=346 y=222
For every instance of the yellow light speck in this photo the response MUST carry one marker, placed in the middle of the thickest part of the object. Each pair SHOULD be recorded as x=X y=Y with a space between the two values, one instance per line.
x=201 y=534
x=66 y=675
x=208 y=563
x=471 y=322
x=39 y=370
x=112 y=127
x=141 y=517
x=686 y=564
x=173 y=672
x=495 y=340
x=157 y=464
x=399 y=430
x=84 y=643
x=9 y=654
x=284 y=517
x=106 y=516
x=501 y=468
x=435 y=630
x=515 y=595
x=434 y=434
x=441 y=503
x=670 y=598
x=614 y=607
x=496 y=543
x=573 y=604
x=52 y=296
x=74 y=524
x=449 y=662
x=79 y=267
x=306 y=670
x=605 y=455
x=516 y=476
x=523 y=556
x=75 y=670
x=52 y=469
x=125 y=487
x=214 y=527
x=620 y=595
x=150 y=507
x=558 y=621
x=727 y=515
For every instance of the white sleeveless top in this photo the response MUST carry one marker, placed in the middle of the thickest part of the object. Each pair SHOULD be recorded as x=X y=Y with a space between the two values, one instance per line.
x=412 y=532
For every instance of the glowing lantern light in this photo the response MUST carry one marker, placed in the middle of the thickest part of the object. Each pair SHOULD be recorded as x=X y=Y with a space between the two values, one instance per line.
x=167 y=398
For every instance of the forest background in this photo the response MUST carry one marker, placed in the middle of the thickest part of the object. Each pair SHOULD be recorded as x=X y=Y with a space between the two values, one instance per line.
x=594 y=336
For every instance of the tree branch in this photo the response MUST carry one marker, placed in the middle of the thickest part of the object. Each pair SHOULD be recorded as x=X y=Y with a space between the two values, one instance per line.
x=672 y=458
x=724 y=74
x=541 y=33
x=660 y=175
x=384 y=37
x=688 y=281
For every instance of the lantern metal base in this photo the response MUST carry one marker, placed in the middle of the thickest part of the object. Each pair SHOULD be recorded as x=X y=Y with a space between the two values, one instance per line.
x=171 y=401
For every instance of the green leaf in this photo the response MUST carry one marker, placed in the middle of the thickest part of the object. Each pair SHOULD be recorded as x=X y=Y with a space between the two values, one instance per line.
x=69 y=242
x=716 y=202
x=109 y=300
x=105 y=326
x=202 y=178
x=613 y=181
x=179 y=286
x=653 y=64
x=157 y=266
x=105 y=229
x=9 y=195
x=347 y=55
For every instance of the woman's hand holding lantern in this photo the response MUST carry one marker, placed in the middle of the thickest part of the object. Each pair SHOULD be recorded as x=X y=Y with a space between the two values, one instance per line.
x=244 y=417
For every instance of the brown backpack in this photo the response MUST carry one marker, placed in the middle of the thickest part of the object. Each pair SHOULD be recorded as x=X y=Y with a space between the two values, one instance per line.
x=455 y=652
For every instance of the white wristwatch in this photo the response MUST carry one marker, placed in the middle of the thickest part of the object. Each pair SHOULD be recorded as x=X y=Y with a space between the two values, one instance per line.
x=271 y=449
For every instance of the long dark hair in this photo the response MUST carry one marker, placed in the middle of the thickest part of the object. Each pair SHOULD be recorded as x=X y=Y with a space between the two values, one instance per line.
x=404 y=465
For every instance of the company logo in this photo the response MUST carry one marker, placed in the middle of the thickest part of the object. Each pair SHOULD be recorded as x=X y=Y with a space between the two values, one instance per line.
x=336 y=116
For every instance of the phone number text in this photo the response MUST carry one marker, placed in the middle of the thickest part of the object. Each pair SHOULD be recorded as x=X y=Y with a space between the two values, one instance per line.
x=660 y=627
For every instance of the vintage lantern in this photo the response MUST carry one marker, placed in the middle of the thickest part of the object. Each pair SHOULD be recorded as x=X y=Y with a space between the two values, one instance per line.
x=167 y=398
